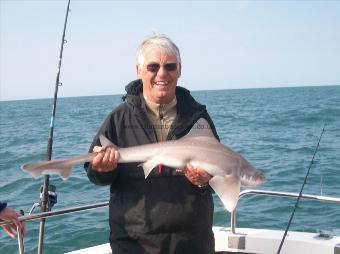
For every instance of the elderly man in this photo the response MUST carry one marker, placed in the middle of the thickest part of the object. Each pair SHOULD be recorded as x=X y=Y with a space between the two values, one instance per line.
x=170 y=211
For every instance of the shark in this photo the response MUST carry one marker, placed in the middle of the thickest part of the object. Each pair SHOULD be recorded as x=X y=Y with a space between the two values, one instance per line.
x=199 y=148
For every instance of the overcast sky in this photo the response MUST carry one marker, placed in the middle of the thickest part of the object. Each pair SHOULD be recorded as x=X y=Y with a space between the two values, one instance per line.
x=224 y=44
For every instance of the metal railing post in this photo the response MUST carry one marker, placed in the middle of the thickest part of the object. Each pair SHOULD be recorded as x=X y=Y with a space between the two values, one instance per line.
x=21 y=244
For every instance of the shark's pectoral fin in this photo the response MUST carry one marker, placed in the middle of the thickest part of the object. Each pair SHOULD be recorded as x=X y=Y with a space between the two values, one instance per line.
x=166 y=159
x=227 y=188
x=148 y=166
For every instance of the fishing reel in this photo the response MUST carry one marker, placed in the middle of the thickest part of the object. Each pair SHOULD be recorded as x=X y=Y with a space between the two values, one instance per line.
x=52 y=198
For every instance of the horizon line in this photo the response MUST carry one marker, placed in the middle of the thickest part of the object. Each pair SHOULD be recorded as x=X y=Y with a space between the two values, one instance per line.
x=195 y=90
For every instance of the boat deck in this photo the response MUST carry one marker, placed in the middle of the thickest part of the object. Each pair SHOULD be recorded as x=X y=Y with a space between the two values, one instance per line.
x=249 y=240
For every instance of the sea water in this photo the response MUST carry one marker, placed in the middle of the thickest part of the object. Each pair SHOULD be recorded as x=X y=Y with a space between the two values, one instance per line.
x=276 y=129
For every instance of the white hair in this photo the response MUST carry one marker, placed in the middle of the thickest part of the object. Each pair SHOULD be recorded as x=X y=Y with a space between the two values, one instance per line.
x=165 y=44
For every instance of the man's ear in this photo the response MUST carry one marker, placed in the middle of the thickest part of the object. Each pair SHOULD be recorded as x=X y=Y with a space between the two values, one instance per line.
x=138 y=70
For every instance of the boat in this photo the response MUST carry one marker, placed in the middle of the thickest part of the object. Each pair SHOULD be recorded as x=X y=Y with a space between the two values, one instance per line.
x=230 y=239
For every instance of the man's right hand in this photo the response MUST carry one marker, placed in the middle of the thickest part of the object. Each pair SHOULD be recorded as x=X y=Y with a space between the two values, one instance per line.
x=106 y=160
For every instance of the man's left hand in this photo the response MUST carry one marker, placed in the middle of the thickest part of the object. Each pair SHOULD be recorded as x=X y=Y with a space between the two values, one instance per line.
x=197 y=176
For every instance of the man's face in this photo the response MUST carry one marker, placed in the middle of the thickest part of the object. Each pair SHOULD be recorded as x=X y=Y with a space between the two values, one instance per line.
x=159 y=74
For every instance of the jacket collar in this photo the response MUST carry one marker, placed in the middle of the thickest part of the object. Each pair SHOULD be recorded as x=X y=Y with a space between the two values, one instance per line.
x=188 y=109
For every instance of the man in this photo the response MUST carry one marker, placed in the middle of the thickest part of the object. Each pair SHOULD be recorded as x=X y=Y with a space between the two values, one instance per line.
x=9 y=214
x=169 y=212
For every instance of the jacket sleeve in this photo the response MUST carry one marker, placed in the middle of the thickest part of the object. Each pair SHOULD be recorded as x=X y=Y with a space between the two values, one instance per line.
x=2 y=206
x=108 y=130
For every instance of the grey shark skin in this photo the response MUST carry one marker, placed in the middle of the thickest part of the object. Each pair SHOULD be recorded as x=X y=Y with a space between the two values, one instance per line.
x=199 y=147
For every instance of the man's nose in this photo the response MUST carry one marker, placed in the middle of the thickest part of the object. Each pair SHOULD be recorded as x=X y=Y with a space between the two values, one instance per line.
x=162 y=72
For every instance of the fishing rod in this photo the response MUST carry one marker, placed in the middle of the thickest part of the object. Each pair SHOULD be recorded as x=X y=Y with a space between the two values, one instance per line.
x=45 y=202
x=300 y=194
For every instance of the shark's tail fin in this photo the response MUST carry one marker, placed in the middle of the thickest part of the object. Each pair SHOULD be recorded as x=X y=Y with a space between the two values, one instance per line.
x=59 y=167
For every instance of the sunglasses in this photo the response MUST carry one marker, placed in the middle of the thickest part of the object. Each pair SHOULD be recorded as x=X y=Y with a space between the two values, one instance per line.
x=154 y=67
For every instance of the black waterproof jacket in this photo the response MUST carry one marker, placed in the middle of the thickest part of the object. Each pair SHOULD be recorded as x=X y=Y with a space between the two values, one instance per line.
x=164 y=213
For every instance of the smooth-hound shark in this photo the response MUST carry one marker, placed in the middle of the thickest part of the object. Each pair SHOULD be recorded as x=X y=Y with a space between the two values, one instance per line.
x=199 y=148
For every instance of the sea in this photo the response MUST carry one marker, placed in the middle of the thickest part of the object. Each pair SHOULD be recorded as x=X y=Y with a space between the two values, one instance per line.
x=276 y=129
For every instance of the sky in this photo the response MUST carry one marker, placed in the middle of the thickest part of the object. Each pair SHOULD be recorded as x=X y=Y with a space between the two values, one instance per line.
x=223 y=44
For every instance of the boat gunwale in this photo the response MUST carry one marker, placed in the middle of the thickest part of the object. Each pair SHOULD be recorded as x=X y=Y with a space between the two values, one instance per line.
x=243 y=193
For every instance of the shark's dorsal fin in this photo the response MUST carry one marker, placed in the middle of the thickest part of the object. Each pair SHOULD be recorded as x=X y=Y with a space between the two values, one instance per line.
x=105 y=142
x=200 y=129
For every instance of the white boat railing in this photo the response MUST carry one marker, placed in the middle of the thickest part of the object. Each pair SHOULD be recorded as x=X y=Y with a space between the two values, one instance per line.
x=38 y=216
x=243 y=193
x=280 y=194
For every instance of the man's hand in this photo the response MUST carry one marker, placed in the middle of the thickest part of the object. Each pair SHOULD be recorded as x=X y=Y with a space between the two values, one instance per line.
x=11 y=215
x=197 y=176
x=106 y=160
